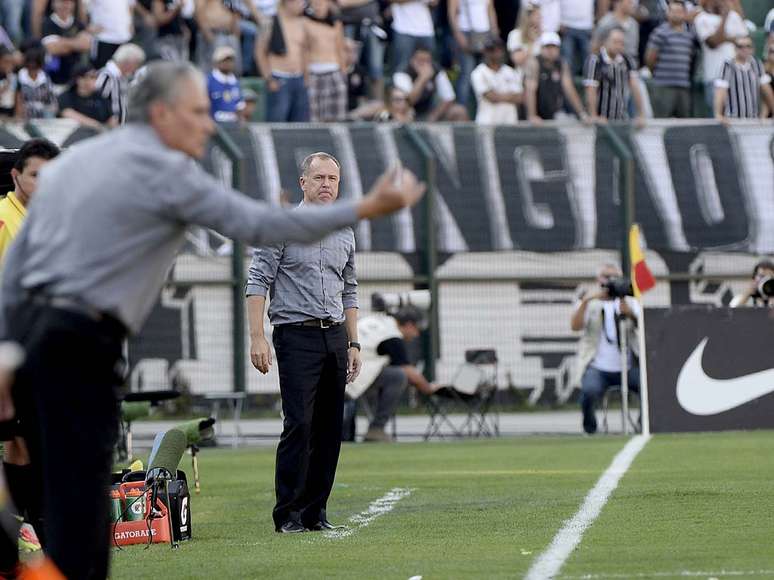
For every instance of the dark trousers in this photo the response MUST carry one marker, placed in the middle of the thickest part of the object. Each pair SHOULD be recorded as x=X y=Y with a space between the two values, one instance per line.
x=312 y=365
x=594 y=383
x=68 y=411
x=102 y=52
x=384 y=395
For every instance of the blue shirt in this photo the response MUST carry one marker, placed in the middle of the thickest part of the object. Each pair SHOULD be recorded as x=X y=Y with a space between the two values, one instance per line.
x=225 y=96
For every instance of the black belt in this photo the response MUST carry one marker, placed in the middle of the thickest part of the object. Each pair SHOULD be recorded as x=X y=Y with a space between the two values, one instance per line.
x=77 y=307
x=317 y=323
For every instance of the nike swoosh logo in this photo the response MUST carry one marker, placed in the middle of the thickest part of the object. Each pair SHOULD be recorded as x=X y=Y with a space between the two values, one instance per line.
x=700 y=394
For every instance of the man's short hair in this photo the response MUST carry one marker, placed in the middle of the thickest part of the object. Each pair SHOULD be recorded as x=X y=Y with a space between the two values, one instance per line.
x=306 y=164
x=161 y=82
x=612 y=30
x=763 y=265
x=42 y=148
x=409 y=315
x=129 y=52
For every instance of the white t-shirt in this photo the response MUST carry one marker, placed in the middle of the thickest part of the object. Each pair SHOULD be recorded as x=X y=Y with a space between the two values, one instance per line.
x=706 y=25
x=114 y=17
x=578 y=14
x=412 y=18
x=504 y=80
x=444 y=91
x=476 y=11
x=550 y=15
x=608 y=356
x=515 y=40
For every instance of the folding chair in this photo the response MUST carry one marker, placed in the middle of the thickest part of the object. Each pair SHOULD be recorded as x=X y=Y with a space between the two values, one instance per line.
x=474 y=388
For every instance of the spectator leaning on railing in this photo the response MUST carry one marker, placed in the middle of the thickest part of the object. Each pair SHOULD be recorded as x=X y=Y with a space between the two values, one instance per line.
x=113 y=79
x=498 y=88
x=741 y=83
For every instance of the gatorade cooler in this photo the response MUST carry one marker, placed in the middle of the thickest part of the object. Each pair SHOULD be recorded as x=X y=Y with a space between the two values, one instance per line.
x=135 y=505
x=116 y=505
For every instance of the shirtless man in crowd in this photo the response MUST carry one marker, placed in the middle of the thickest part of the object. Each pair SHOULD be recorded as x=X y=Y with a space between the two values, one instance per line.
x=327 y=84
x=282 y=57
x=218 y=26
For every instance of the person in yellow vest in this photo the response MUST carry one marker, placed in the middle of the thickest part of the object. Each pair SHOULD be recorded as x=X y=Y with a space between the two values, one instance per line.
x=31 y=157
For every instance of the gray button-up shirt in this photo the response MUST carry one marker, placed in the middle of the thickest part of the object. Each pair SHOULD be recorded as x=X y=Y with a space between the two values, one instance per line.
x=306 y=280
x=111 y=213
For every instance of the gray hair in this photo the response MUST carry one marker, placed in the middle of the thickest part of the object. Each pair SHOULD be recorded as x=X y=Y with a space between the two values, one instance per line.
x=307 y=162
x=161 y=81
x=129 y=53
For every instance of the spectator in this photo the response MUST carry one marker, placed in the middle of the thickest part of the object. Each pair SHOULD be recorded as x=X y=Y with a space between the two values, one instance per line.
x=412 y=28
x=223 y=86
x=610 y=78
x=171 y=41
x=398 y=108
x=717 y=26
x=551 y=15
x=769 y=68
x=761 y=271
x=548 y=82
x=111 y=21
x=36 y=98
x=497 y=86
x=250 y=25
x=11 y=12
x=9 y=84
x=473 y=23
x=83 y=103
x=621 y=17
x=40 y=9
x=577 y=25
x=429 y=89
x=742 y=80
x=671 y=51
x=327 y=84
x=145 y=28
x=383 y=336
x=524 y=42
x=218 y=25
x=357 y=75
x=65 y=40
x=281 y=56
x=599 y=357
x=113 y=79
x=363 y=23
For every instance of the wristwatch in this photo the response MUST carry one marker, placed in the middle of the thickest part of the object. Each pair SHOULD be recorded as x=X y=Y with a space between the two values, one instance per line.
x=353 y=344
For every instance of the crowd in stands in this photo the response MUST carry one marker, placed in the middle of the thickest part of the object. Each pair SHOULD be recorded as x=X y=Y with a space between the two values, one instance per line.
x=395 y=60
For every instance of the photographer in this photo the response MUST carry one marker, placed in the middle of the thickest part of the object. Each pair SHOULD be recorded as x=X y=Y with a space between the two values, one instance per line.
x=386 y=365
x=599 y=357
x=760 y=289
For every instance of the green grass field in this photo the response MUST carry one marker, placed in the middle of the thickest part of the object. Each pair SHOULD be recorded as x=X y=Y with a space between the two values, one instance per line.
x=689 y=505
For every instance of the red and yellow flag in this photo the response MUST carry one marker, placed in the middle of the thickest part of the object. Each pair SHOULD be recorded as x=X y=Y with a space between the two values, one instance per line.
x=642 y=277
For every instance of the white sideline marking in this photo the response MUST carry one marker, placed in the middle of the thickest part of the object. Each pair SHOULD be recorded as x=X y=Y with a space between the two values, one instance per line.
x=376 y=509
x=681 y=574
x=567 y=539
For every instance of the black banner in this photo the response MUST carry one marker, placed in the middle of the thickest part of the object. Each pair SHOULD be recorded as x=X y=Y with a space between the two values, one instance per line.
x=710 y=369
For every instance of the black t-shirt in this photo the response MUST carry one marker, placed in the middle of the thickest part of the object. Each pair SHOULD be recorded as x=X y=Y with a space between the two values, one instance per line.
x=94 y=106
x=394 y=348
x=60 y=68
x=357 y=86
x=172 y=28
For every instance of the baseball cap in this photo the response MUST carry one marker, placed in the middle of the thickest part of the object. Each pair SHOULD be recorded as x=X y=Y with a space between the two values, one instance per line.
x=550 y=39
x=222 y=53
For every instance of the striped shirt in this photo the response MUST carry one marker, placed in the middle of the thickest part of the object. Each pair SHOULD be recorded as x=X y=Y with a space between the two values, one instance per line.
x=676 y=51
x=306 y=280
x=743 y=82
x=112 y=87
x=611 y=78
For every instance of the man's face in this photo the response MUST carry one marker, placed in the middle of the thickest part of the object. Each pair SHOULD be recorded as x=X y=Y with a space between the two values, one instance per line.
x=615 y=43
x=494 y=56
x=606 y=274
x=421 y=59
x=227 y=65
x=27 y=180
x=628 y=6
x=409 y=330
x=321 y=182
x=550 y=52
x=744 y=48
x=186 y=124
x=87 y=83
x=398 y=101
x=676 y=13
x=764 y=273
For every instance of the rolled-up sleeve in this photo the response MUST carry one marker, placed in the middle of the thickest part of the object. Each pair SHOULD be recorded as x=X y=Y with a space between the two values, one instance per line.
x=263 y=270
x=349 y=295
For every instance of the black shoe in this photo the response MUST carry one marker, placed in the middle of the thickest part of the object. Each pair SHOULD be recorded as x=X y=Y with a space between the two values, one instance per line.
x=324 y=525
x=291 y=527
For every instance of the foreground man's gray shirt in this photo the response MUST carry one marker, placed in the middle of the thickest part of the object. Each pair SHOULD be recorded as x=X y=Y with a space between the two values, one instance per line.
x=110 y=214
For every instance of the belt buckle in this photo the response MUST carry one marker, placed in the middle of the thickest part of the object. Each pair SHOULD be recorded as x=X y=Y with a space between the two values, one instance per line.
x=324 y=324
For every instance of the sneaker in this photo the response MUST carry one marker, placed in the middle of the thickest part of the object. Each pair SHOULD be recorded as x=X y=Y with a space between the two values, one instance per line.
x=28 y=540
x=377 y=435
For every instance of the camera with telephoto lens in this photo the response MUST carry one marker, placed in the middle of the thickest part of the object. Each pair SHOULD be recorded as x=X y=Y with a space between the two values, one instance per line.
x=765 y=288
x=392 y=302
x=618 y=287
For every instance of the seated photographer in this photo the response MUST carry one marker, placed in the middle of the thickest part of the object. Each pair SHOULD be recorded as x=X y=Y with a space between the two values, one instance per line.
x=760 y=289
x=387 y=369
x=599 y=355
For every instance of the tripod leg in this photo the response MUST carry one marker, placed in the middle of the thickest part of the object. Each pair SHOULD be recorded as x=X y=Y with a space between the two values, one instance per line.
x=195 y=466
